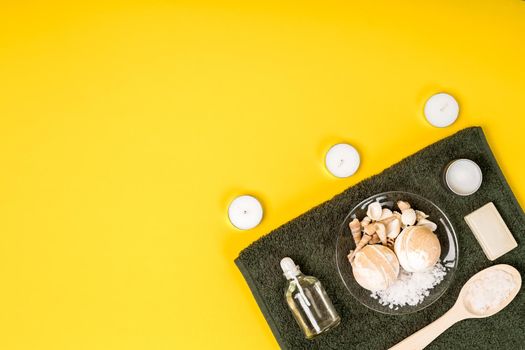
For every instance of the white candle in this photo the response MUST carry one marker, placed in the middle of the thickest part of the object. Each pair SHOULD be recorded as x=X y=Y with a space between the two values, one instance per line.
x=245 y=212
x=342 y=160
x=463 y=177
x=441 y=110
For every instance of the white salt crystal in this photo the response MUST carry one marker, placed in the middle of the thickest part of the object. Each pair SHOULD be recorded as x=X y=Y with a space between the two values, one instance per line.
x=488 y=291
x=410 y=288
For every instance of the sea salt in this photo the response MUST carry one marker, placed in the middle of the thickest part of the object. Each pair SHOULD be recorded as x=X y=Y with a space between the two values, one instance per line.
x=411 y=288
x=488 y=291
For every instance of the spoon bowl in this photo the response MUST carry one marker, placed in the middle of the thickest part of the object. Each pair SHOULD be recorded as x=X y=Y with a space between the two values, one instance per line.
x=472 y=313
x=461 y=310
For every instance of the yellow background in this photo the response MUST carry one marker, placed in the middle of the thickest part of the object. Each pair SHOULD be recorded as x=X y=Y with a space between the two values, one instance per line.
x=127 y=127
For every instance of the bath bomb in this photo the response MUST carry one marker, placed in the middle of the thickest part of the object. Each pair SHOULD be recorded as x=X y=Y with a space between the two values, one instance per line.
x=375 y=267
x=417 y=248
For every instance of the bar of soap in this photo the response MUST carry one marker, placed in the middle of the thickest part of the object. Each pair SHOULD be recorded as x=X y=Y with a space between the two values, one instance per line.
x=491 y=231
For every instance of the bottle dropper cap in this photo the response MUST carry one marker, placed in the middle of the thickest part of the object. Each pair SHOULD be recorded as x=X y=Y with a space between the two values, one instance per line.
x=290 y=270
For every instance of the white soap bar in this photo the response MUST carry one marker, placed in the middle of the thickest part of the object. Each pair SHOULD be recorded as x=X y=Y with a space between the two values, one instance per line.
x=491 y=231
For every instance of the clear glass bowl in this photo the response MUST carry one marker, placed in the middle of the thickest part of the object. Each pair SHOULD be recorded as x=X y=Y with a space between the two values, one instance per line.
x=445 y=232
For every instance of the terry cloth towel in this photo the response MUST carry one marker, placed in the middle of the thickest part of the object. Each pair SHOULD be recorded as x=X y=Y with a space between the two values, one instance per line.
x=310 y=240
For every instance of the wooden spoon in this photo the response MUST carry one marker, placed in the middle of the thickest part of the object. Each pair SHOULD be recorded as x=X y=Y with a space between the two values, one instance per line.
x=460 y=311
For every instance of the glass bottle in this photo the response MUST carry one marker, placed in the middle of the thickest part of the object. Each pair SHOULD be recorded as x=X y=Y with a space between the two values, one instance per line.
x=308 y=301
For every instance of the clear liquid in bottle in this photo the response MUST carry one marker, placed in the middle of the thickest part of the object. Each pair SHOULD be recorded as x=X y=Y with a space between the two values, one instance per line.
x=308 y=301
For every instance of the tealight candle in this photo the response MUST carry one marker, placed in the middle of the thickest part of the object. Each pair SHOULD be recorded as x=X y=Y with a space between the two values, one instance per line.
x=441 y=110
x=463 y=177
x=245 y=212
x=342 y=160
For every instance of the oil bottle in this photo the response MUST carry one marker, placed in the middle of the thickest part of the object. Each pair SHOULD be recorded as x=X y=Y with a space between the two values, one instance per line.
x=308 y=301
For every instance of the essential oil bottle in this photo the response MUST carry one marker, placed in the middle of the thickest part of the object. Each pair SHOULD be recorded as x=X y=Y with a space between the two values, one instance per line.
x=308 y=301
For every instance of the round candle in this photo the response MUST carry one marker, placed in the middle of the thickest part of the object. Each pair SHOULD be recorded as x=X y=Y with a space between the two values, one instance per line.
x=342 y=160
x=245 y=212
x=463 y=177
x=441 y=110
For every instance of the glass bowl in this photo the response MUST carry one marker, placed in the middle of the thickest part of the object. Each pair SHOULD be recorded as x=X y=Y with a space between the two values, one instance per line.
x=446 y=235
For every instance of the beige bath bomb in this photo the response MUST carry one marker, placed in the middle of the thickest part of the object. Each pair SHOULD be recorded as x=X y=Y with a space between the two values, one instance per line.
x=417 y=248
x=375 y=267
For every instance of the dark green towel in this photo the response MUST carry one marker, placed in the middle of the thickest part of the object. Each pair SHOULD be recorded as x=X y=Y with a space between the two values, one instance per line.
x=310 y=241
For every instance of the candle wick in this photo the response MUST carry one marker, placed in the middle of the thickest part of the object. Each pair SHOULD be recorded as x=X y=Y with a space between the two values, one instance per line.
x=341 y=162
x=443 y=108
x=245 y=212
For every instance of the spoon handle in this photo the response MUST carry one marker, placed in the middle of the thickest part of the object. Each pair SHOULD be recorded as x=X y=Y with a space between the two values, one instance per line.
x=426 y=335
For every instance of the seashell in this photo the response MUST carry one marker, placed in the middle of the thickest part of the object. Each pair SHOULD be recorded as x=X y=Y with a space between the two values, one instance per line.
x=408 y=217
x=420 y=215
x=424 y=222
x=385 y=213
x=365 y=221
x=402 y=205
x=393 y=228
x=375 y=267
x=355 y=229
x=375 y=239
x=388 y=220
x=417 y=248
x=397 y=215
x=369 y=229
x=374 y=211
x=392 y=241
x=380 y=232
